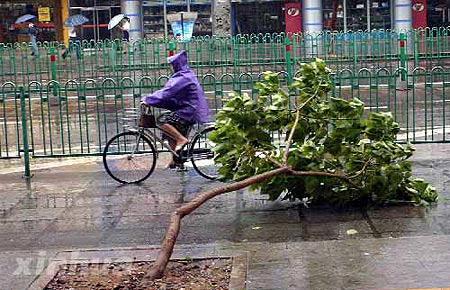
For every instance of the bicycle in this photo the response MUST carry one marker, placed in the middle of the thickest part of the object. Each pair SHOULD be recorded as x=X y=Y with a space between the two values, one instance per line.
x=130 y=156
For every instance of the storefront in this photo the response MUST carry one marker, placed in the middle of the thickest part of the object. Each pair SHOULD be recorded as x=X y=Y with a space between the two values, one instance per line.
x=357 y=15
x=438 y=13
x=147 y=18
x=99 y=12
x=260 y=16
x=154 y=11
x=257 y=16
x=247 y=16
x=48 y=19
x=354 y=15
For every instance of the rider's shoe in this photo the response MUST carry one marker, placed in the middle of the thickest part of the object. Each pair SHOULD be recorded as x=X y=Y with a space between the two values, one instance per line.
x=180 y=147
x=181 y=167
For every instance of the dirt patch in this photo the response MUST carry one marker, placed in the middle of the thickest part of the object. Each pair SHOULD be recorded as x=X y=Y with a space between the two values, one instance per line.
x=186 y=274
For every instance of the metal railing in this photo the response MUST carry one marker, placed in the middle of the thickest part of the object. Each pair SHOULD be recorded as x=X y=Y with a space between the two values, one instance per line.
x=50 y=107
x=235 y=55
x=80 y=118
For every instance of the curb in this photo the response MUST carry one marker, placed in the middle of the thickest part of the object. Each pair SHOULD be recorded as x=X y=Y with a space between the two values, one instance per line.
x=239 y=269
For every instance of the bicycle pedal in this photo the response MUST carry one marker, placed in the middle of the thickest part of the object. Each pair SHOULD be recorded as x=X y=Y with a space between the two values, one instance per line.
x=181 y=167
x=184 y=153
x=178 y=160
x=182 y=156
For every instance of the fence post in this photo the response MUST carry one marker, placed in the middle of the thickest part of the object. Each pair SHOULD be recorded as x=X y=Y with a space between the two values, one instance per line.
x=26 y=149
x=172 y=48
x=288 y=47
x=355 y=53
x=53 y=68
x=416 y=38
x=235 y=51
x=402 y=47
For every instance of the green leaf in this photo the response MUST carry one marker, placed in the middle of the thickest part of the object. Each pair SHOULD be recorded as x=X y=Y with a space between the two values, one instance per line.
x=332 y=135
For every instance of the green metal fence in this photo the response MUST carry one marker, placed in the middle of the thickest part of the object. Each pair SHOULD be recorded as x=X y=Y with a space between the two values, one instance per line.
x=82 y=116
x=72 y=107
x=10 y=122
x=224 y=55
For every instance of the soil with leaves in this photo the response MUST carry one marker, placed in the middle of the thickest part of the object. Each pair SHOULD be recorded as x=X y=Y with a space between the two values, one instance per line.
x=186 y=274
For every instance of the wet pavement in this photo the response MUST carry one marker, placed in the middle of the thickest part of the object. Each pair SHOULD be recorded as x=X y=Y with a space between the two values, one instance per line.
x=78 y=206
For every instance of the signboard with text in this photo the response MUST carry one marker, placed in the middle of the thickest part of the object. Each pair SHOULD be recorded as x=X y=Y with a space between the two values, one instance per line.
x=44 y=14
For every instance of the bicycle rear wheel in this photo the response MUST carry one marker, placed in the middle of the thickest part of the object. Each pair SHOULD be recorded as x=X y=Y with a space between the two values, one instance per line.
x=129 y=157
x=202 y=154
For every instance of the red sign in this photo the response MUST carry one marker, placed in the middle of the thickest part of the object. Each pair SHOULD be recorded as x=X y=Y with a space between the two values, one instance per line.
x=293 y=17
x=419 y=13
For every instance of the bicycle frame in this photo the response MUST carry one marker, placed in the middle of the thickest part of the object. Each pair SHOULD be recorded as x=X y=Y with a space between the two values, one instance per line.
x=154 y=138
x=198 y=150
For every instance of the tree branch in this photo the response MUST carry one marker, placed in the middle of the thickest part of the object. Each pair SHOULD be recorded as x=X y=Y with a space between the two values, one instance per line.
x=322 y=174
x=291 y=135
x=358 y=173
x=173 y=229
x=270 y=158
x=274 y=161
x=168 y=244
x=297 y=117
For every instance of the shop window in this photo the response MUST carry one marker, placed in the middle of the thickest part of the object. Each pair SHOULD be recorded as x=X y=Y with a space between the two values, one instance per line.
x=438 y=13
x=81 y=3
x=11 y=32
x=360 y=15
x=107 y=2
x=90 y=3
x=259 y=18
x=153 y=18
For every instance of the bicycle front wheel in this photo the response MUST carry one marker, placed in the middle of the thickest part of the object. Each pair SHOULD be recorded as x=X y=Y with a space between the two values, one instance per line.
x=202 y=154
x=129 y=157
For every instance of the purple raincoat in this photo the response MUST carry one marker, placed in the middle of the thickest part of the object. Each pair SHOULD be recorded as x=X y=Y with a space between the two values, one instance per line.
x=182 y=93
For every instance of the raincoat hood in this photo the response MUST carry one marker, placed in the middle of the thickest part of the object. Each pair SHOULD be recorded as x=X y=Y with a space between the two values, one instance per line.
x=178 y=61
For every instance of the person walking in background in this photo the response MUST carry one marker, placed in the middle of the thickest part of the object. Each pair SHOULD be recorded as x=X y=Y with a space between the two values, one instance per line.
x=32 y=32
x=125 y=27
x=74 y=42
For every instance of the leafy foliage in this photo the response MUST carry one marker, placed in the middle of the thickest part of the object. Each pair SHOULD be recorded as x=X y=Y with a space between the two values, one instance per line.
x=332 y=135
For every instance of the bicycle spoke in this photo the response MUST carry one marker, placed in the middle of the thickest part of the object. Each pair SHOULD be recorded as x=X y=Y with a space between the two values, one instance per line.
x=129 y=158
x=202 y=155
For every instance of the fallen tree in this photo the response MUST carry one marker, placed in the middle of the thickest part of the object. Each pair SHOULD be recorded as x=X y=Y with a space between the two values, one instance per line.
x=310 y=146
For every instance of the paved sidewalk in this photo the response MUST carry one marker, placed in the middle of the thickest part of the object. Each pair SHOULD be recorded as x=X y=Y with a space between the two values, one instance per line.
x=78 y=206
x=336 y=264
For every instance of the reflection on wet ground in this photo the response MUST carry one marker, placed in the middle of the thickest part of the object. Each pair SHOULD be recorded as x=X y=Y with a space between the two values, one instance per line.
x=79 y=206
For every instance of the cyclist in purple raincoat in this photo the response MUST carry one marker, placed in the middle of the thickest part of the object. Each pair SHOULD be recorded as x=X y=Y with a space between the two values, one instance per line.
x=184 y=97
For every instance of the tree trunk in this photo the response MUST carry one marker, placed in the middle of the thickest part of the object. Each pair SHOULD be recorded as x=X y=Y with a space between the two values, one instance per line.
x=157 y=271
x=173 y=229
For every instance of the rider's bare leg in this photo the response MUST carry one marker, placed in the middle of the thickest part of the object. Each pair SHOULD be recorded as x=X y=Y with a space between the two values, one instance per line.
x=176 y=144
x=180 y=140
x=172 y=145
